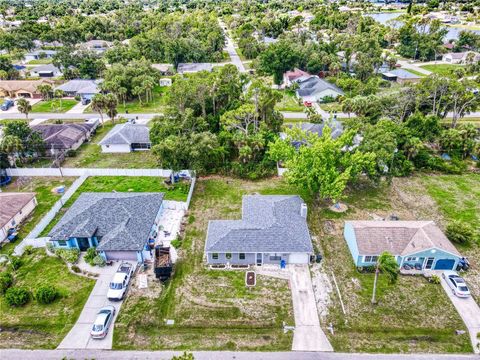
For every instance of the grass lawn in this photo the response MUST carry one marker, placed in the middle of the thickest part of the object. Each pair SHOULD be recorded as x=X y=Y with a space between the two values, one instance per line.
x=40 y=61
x=123 y=184
x=156 y=105
x=411 y=316
x=42 y=187
x=442 y=69
x=54 y=106
x=332 y=107
x=289 y=102
x=212 y=309
x=90 y=155
x=43 y=326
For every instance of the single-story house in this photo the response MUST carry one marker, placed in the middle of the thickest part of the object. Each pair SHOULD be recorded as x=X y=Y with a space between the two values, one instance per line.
x=314 y=89
x=86 y=89
x=401 y=76
x=415 y=244
x=60 y=138
x=188 y=68
x=22 y=88
x=15 y=207
x=273 y=229
x=126 y=137
x=118 y=224
x=290 y=77
x=461 y=57
x=39 y=54
x=46 y=71
x=98 y=46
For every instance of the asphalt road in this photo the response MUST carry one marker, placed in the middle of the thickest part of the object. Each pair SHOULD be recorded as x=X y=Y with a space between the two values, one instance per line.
x=213 y=355
x=67 y=116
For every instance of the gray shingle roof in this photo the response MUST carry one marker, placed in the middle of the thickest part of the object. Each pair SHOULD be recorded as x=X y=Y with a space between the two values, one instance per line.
x=122 y=220
x=194 y=67
x=127 y=134
x=80 y=86
x=314 y=84
x=46 y=67
x=402 y=74
x=63 y=136
x=270 y=223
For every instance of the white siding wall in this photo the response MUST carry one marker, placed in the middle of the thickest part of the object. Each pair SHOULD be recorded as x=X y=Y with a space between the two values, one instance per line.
x=18 y=218
x=124 y=148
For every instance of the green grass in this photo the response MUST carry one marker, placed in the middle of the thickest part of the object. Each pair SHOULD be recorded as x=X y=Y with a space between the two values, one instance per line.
x=157 y=104
x=90 y=155
x=35 y=326
x=56 y=106
x=42 y=187
x=213 y=310
x=40 y=61
x=441 y=69
x=332 y=107
x=289 y=103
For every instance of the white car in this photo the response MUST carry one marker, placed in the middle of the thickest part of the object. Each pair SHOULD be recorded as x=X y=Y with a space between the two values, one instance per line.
x=456 y=283
x=102 y=322
x=119 y=284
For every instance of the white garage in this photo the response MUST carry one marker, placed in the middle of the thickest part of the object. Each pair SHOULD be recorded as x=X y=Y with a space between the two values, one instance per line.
x=121 y=255
x=298 y=258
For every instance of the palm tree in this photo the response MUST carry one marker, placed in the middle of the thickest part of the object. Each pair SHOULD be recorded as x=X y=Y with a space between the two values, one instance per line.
x=98 y=105
x=45 y=90
x=58 y=94
x=24 y=106
x=386 y=264
x=110 y=104
x=12 y=145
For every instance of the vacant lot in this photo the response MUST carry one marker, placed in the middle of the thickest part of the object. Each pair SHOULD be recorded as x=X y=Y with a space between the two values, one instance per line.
x=54 y=106
x=90 y=155
x=412 y=315
x=42 y=187
x=289 y=102
x=442 y=69
x=43 y=326
x=212 y=309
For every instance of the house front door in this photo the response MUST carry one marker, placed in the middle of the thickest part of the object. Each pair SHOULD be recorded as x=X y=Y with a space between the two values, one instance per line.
x=83 y=244
x=259 y=259
x=429 y=263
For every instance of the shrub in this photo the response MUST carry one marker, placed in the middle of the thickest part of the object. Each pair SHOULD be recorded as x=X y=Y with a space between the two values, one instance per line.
x=6 y=280
x=15 y=262
x=90 y=255
x=76 y=269
x=28 y=249
x=17 y=296
x=68 y=255
x=460 y=233
x=434 y=279
x=176 y=243
x=99 y=261
x=46 y=294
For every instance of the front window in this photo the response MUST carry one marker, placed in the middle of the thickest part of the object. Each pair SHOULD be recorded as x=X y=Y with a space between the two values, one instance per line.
x=275 y=258
x=62 y=243
x=215 y=256
x=370 y=259
x=463 y=288
x=241 y=256
x=115 y=286
x=97 y=327
x=228 y=256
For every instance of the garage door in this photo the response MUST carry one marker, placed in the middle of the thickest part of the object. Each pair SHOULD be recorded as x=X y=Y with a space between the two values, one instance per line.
x=299 y=258
x=444 y=264
x=121 y=255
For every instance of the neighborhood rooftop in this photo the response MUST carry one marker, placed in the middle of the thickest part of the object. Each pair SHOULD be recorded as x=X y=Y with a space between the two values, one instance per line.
x=270 y=223
x=80 y=86
x=402 y=74
x=127 y=134
x=63 y=136
x=314 y=84
x=11 y=204
x=122 y=221
x=399 y=237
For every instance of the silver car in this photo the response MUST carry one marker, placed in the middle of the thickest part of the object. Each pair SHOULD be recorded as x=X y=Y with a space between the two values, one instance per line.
x=456 y=283
x=102 y=322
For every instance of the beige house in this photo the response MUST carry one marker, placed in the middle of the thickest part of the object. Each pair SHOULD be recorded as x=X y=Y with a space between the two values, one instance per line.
x=15 y=207
x=22 y=88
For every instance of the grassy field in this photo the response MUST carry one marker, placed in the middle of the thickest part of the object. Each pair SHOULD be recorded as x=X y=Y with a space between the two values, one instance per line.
x=212 y=309
x=289 y=103
x=411 y=316
x=90 y=155
x=441 y=69
x=43 y=326
x=332 y=107
x=123 y=184
x=56 y=106
x=42 y=187
x=156 y=105
x=40 y=61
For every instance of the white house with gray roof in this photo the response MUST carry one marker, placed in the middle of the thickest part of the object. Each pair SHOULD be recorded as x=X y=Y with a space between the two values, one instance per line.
x=273 y=229
x=119 y=225
x=314 y=89
x=126 y=137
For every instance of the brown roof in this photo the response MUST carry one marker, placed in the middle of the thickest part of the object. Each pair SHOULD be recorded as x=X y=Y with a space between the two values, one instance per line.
x=63 y=136
x=399 y=237
x=27 y=85
x=295 y=74
x=12 y=203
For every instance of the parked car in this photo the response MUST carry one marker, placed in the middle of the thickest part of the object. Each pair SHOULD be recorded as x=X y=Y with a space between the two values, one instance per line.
x=456 y=283
x=119 y=284
x=102 y=322
x=7 y=104
x=85 y=101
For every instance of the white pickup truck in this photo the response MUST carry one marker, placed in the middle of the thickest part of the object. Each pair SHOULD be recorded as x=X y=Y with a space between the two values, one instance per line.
x=119 y=284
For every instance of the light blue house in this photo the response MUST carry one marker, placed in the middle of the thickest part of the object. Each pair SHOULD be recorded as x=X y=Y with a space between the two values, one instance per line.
x=119 y=225
x=416 y=245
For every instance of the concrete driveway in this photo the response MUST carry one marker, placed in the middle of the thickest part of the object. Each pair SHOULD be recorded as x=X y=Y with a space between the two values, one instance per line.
x=308 y=335
x=79 y=335
x=469 y=312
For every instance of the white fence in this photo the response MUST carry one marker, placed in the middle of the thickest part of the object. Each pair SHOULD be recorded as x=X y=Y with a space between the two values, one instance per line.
x=87 y=171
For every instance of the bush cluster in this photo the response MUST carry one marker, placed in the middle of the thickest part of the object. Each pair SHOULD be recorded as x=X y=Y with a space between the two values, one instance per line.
x=6 y=280
x=98 y=261
x=17 y=296
x=90 y=256
x=460 y=233
x=46 y=294
x=68 y=255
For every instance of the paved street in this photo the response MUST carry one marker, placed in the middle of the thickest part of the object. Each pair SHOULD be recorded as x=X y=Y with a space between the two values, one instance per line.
x=212 y=355
x=469 y=312
x=229 y=47
x=67 y=116
x=79 y=335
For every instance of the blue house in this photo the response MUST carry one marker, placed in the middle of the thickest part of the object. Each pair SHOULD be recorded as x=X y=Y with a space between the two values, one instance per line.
x=119 y=225
x=416 y=245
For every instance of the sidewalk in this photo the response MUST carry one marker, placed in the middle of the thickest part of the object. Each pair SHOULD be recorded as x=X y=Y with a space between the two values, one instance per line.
x=79 y=108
